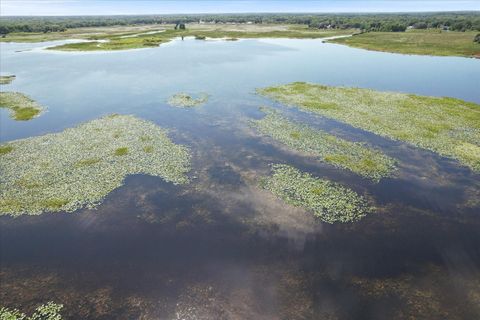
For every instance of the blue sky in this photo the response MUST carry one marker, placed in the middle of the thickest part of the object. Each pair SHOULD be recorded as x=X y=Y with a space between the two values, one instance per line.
x=112 y=7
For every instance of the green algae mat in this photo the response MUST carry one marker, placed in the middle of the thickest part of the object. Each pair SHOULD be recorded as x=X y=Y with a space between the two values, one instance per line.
x=78 y=167
x=356 y=157
x=329 y=201
x=447 y=126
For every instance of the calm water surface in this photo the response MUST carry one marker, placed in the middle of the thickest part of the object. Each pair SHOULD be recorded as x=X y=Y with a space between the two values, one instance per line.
x=220 y=248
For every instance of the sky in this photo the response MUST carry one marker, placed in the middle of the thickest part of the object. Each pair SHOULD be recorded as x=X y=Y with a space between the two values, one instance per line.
x=123 y=7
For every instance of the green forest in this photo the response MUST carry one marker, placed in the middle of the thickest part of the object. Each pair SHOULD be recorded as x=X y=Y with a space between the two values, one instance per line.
x=455 y=21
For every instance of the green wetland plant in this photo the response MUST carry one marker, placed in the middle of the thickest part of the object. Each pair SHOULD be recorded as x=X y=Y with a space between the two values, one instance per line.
x=184 y=100
x=327 y=200
x=356 y=157
x=422 y=42
x=78 y=167
x=447 y=126
x=21 y=107
x=5 y=149
x=121 y=151
x=48 y=311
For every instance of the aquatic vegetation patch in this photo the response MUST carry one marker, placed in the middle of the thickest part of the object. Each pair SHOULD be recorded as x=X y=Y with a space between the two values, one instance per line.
x=78 y=167
x=21 y=106
x=184 y=100
x=5 y=149
x=121 y=151
x=329 y=201
x=448 y=126
x=6 y=79
x=356 y=157
x=48 y=311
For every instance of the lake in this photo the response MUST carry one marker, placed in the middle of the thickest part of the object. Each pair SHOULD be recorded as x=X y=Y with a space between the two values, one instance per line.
x=220 y=247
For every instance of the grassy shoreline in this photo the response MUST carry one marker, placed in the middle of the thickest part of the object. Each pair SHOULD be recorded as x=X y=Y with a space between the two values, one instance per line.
x=433 y=42
x=419 y=42
x=447 y=126
x=123 y=38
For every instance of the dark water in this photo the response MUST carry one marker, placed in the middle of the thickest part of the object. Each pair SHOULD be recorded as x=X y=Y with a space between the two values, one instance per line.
x=220 y=248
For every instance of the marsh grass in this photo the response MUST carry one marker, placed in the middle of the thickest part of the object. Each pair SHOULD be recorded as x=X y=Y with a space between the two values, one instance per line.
x=87 y=162
x=230 y=32
x=328 y=201
x=448 y=126
x=22 y=108
x=148 y=149
x=121 y=151
x=5 y=149
x=78 y=167
x=184 y=100
x=356 y=157
x=423 y=42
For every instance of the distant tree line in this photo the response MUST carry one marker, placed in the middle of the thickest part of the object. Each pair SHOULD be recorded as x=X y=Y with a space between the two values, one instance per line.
x=455 y=21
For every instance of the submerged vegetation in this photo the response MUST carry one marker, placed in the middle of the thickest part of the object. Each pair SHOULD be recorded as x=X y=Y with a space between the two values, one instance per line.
x=184 y=100
x=49 y=311
x=328 y=201
x=80 y=166
x=6 y=79
x=356 y=157
x=423 y=42
x=448 y=126
x=21 y=107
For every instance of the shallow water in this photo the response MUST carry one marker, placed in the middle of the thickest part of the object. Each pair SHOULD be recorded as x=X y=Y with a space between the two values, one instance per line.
x=220 y=247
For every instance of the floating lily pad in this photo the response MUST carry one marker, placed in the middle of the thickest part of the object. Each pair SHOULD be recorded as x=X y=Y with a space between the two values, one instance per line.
x=78 y=167
x=356 y=157
x=448 y=126
x=329 y=201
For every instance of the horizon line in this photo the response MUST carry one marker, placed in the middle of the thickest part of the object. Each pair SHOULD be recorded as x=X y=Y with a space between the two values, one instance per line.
x=245 y=13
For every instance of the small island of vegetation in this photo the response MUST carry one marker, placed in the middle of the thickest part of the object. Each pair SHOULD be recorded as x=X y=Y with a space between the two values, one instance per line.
x=448 y=126
x=356 y=157
x=329 y=201
x=78 y=167
x=21 y=107
x=184 y=100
